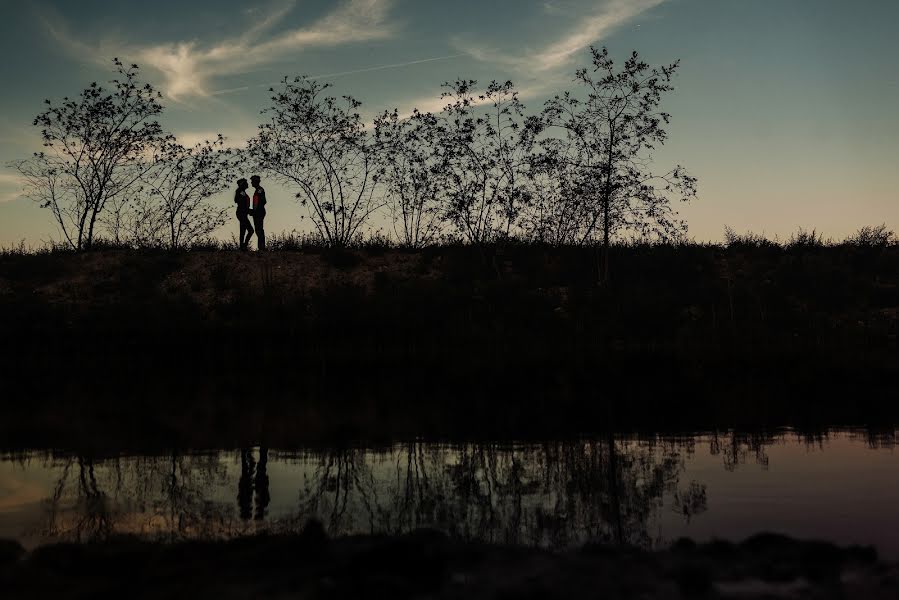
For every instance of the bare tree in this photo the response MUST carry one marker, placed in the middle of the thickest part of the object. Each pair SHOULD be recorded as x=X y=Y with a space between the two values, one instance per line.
x=609 y=137
x=319 y=144
x=136 y=220
x=560 y=213
x=181 y=182
x=408 y=163
x=484 y=158
x=97 y=149
x=171 y=207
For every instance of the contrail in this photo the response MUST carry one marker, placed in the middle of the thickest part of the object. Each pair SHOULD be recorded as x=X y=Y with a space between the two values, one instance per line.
x=343 y=73
x=383 y=67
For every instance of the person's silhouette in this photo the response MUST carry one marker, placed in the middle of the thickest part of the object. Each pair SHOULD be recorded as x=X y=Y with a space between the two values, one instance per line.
x=258 y=211
x=245 y=485
x=243 y=210
x=260 y=485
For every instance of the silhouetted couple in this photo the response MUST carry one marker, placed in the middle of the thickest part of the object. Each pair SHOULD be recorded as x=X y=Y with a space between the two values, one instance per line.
x=244 y=212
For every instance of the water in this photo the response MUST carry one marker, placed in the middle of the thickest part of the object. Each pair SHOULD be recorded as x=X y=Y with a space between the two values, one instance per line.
x=841 y=486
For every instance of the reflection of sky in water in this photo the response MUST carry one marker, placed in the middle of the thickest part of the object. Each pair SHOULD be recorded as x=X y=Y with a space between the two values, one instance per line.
x=842 y=487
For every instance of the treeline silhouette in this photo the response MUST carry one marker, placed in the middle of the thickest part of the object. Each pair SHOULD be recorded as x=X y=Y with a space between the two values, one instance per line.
x=479 y=170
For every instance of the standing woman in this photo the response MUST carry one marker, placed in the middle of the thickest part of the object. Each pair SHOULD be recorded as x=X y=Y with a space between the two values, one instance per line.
x=243 y=211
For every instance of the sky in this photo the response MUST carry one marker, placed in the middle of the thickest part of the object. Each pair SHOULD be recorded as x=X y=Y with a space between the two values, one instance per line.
x=785 y=110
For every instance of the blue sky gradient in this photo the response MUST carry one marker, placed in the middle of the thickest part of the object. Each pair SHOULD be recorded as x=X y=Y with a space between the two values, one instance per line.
x=784 y=109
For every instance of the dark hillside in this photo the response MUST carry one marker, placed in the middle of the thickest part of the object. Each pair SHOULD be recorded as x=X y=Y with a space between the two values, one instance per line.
x=445 y=340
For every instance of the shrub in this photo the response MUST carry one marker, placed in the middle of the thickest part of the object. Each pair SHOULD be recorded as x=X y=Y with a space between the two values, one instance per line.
x=806 y=240
x=735 y=240
x=872 y=236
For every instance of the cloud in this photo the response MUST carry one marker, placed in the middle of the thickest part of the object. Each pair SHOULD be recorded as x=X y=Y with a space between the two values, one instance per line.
x=9 y=179
x=11 y=187
x=17 y=137
x=265 y=22
x=234 y=138
x=389 y=66
x=590 y=29
x=101 y=54
x=189 y=67
x=343 y=73
x=435 y=104
x=546 y=60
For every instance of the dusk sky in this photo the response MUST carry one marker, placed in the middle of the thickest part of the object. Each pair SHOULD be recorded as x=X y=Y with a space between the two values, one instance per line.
x=786 y=110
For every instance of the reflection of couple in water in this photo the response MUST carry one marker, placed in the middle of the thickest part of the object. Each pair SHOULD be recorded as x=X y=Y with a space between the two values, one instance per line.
x=245 y=211
x=253 y=482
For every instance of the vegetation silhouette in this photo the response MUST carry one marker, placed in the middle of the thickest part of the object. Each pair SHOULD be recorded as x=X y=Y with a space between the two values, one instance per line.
x=318 y=145
x=608 y=139
x=481 y=170
x=173 y=208
x=95 y=152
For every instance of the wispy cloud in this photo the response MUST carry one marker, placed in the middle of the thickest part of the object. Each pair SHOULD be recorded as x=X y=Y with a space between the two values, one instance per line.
x=9 y=179
x=590 y=29
x=18 y=135
x=435 y=104
x=389 y=66
x=11 y=186
x=234 y=137
x=189 y=67
x=344 y=73
x=9 y=196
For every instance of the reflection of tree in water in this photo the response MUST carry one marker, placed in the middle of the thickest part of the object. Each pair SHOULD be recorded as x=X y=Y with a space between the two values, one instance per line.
x=162 y=497
x=739 y=448
x=736 y=448
x=90 y=514
x=884 y=439
x=552 y=494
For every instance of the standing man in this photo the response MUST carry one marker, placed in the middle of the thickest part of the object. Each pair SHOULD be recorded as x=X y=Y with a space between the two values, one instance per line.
x=258 y=211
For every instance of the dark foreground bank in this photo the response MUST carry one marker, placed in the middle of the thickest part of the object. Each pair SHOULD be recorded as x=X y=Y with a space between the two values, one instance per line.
x=213 y=348
x=428 y=564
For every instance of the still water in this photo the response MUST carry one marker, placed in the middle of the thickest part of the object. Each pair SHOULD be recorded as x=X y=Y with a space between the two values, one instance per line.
x=842 y=486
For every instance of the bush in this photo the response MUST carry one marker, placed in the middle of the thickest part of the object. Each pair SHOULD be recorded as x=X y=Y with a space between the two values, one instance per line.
x=872 y=236
x=294 y=242
x=806 y=240
x=748 y=240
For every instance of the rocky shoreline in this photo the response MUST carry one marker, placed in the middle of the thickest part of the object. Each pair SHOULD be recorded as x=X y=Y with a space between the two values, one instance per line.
x=427 y=564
